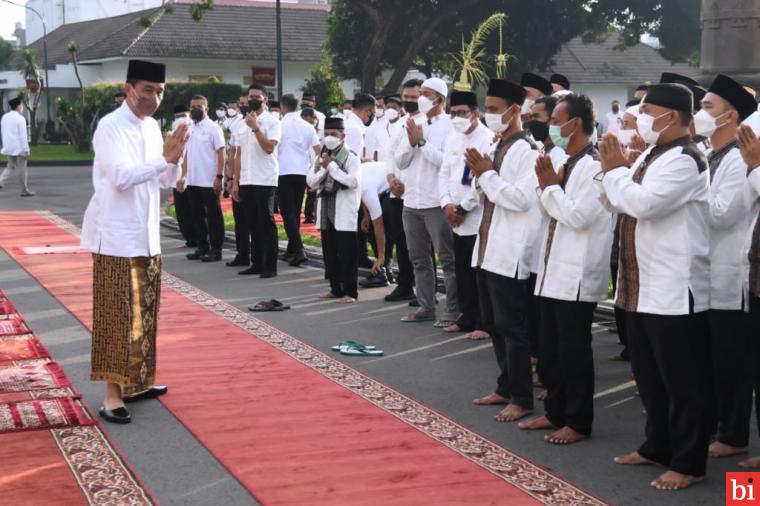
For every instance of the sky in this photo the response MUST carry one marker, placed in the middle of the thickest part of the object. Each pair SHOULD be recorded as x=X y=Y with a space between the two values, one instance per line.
x=9 y=14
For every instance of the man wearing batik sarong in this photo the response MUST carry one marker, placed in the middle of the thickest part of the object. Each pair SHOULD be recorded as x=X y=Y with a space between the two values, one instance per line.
x=132 y=163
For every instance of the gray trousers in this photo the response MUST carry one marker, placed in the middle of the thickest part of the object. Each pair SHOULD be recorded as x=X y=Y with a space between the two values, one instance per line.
x=426 y=229
x=16 y=164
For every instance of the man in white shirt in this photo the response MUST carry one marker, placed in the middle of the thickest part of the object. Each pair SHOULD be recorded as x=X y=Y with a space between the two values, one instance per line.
x=613 y=118
x=297 y=144
x=256 y=173
x=309 y=101
x=202 y=175
x=503 y=252
x=182 y=207
x=425 y=225
x=375 y=191
x=121 y=228
x=725 y=105
x=461 y=206
x=15 y=145
x=573 y=274
x=336 y=175
x=242 y=235
x=664 y=282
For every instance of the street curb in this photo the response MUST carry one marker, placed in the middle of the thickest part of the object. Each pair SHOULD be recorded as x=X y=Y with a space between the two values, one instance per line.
x=52 y=163
x=605 y=309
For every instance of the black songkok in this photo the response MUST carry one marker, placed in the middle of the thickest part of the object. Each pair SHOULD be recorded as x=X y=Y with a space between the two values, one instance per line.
x=333 y=123
x=735 y=94
x=671 y=96
x=146 y=71
x=507 y=90
x=560 y=80
x=463 y=98
x=537 y=82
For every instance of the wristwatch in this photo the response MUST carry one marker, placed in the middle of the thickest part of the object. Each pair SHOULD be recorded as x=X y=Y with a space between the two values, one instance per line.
x=421 y=143
x=255 y=130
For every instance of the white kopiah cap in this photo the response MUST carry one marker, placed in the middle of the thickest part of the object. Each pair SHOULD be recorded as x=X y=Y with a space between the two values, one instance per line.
x=436 y=84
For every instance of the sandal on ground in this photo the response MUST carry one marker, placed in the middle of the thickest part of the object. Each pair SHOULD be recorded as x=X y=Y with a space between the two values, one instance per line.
x=337 y=347
x=417 y=317
x=444 y=324
x=359 y=349
x=268 y=305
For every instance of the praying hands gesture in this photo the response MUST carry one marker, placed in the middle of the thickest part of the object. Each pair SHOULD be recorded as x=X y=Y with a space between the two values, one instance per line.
x=325 y=160
x=174 y=145
x=479 y=163
x=413 y=132
x=749 y=145
x=611 y=153
x=547 y=176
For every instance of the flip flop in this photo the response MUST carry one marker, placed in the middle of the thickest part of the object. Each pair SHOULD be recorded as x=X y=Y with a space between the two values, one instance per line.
x=443 y=324
x=414 y=318
x=359 y=349
x=268 y=305
x=337 y=347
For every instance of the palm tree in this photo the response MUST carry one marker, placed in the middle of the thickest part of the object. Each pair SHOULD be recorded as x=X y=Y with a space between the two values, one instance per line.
x=31 y=95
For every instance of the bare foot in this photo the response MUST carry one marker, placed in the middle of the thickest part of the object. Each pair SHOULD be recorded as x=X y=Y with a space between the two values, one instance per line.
x=540 y=423
x=453 y=329
x=512 y=413
x=719 y=450
x=671 y=480
x=632 y=459
x=347 y=300
x=751 y=463
x=542 y=395
x=533 y=361
x=564 y=436
x=477 y=335
x=537 y=383
x=491 y=400
x=328 y=295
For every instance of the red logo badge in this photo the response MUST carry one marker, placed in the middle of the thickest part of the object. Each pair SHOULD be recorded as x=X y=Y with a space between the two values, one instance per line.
x=742 y=489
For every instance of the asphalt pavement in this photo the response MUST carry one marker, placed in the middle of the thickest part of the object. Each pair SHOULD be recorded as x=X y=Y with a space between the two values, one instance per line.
x=442 y=371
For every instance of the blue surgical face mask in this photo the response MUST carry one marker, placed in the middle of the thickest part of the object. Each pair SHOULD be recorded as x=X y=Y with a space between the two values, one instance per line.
x=555 y=133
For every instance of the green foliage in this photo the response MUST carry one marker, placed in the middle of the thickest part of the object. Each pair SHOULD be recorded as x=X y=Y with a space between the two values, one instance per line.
x=324 y=85
x=7 y=52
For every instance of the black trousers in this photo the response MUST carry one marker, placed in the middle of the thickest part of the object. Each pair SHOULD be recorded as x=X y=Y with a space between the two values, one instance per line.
x=754 y=329
x=534 y=327
x=258 y=204
x=620 y=319
x=467 y=283
x=183 y=209
x=732 y=374
x=290 y=190
x=242 y=234
x=341 y=261
x=207 y=216
x=667 y=356
x=362 y=237
x=504 y=314
x=310 y=207
x=392 y=217
x=568 y=362
x=371 y=233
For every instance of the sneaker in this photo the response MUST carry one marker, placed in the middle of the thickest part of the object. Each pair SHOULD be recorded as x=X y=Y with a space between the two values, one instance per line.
x=298 y=258
x=213 y=255
x=398 y=294
x=375 y=280
x=28 y=194
x=366 y=263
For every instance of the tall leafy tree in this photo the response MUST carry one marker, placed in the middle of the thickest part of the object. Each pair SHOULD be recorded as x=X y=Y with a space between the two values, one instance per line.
x=7 y=52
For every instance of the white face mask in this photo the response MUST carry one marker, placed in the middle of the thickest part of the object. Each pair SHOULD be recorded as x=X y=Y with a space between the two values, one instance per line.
x=645 y=125
x=181 y=121
x=494 y=123
x=705 y=124
x=461 y=125
x=231 y=112
x=391 y=114
x=625 y=136
x=220 y=113
x=425 y=104
x=332 y=143
x=527 y=106
x=379 y=113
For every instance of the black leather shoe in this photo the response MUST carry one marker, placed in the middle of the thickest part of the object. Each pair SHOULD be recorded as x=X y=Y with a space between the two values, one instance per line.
x=286 y=257
x=250 y=271
x=266 y=275
x=213 y=255
x=197 y=254
x=375 y=280
x=151 y=393
x=118 y=415
x=399 y=294
x=191 y=244
x=238 y=262
x=298 y=259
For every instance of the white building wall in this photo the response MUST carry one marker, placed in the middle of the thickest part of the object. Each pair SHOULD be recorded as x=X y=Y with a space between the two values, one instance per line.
x=602 y=95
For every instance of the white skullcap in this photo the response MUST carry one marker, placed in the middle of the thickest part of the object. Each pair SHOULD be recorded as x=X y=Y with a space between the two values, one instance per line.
x=561 y=93
x=436 y=84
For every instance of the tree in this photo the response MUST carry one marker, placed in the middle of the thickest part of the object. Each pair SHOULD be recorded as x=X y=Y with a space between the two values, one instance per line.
x=7 y=52
x=31 y=99
x=324 y=85
x=422 y=33
x=74 y=115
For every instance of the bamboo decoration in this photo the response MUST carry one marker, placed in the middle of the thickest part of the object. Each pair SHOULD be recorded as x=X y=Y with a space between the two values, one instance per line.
x=471 y=59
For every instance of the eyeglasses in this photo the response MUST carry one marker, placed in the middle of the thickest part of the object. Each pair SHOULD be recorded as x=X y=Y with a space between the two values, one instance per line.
x=460 y=114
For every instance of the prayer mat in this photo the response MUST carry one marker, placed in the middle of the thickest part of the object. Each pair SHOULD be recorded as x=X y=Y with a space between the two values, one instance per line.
x=7 y=307
x=28 y=376
x=26 y=347
x=42 y=414
x=13 y=327
x=49 y=250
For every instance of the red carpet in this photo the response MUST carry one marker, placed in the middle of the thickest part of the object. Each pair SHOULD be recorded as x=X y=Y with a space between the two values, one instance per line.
x=51 y=450
x=291 y=424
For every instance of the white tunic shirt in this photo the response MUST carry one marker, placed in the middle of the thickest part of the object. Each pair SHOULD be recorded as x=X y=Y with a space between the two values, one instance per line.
x=397 y=135
x=355 y=130
x=122 y=218
x=15 y=140
x=578 y=265
x=206 y=138
x=729 y=220
x=753 y=203
x=672 y=231
x=422 y=164
x=374 y=183
x=296 y=142
x=257 y=167
x=347 y=200
x=558 y=157
x=512 y=236
x=455 y=180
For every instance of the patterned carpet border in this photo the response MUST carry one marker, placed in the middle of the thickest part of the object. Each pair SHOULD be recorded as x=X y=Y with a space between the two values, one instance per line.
x=519 y=472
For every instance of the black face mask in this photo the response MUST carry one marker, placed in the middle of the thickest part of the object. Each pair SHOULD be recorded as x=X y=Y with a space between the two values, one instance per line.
x=539 y=130
x=244 y=110
x=369 y=122
x=255 y=104
x=196 y=115
x=411 y=107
